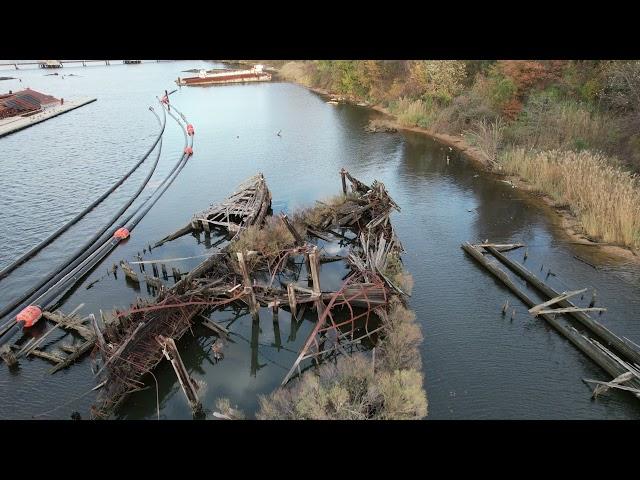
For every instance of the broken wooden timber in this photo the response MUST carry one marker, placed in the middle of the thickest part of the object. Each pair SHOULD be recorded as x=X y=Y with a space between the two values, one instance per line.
x=215 y=326
x=602 y=387
x=54 y=358
x=177 y=234
x=593 y=325
x=84 y=348
x=562 y=296
x=189 y=387
x=608 y=385
x=248 y=288
x=128 y=271
x=102 y=345
x=584 y=345
x=153 y=281
x=293 y=304
x=68 y=323
x=120 y=349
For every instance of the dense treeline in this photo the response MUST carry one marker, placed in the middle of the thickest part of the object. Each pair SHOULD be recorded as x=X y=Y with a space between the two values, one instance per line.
x=518 y=113
x=579 y=105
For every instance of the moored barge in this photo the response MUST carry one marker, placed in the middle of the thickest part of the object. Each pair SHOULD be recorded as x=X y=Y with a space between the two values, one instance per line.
x=254 y=74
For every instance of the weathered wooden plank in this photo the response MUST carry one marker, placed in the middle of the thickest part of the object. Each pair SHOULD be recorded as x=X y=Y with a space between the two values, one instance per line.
x=52 y=357
x=84 y=348
x=562 y=296
x=189 y=387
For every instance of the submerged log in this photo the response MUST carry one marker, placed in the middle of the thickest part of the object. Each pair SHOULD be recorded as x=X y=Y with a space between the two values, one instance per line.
x=599 y=357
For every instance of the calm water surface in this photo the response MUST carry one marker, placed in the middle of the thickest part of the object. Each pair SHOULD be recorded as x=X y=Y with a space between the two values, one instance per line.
x=477 y=364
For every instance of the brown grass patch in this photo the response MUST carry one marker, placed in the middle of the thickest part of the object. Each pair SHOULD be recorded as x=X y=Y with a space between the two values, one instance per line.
x=605 y=198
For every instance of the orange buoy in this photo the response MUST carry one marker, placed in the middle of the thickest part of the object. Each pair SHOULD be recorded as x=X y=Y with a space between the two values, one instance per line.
x=30 y=315
x=121 y=233
x=190 y=131
x=188 y=151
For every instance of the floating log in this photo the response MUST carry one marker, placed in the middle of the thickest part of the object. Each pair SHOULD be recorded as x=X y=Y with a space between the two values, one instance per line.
x=502 y=247
x=572 y=310
x=593 y=325
x=584 y=345
x=562 y=296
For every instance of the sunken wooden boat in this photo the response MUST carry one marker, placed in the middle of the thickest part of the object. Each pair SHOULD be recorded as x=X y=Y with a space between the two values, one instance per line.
x=248 y=205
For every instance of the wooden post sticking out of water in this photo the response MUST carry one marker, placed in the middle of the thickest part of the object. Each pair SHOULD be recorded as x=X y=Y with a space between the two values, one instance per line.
x=344 y=181
x=189 y=388
x=296 y=236
x=99 y=337
x=128 y=271
x=314 y=262
x=293 y=304
x=248 y=288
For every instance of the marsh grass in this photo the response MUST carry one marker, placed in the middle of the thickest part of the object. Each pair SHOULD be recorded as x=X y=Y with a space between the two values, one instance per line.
x=605 y=198
x=354 y=388
x=268 y=240
x=486 y=136
x=321 y=211
x=413 y=113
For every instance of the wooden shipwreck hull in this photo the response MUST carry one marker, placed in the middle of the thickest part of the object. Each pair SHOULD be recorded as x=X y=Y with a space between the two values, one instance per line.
x=248 y=205
x=131 y=345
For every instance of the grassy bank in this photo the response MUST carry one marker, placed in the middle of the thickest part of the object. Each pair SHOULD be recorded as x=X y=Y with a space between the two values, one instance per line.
x=579 y=119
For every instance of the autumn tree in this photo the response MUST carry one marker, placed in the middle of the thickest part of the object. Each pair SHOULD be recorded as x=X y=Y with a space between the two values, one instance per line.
x=438 y=79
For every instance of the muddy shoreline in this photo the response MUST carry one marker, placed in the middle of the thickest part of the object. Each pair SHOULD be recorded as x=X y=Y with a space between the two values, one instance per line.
x=567 y=222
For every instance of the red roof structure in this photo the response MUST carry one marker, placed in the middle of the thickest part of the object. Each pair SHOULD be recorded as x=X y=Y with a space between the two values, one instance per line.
x=24 y=101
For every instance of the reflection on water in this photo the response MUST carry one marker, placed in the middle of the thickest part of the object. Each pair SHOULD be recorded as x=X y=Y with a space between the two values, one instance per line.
x=477 y=363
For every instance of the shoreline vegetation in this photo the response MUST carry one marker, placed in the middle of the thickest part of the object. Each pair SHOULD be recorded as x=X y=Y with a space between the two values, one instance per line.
x=568 y=131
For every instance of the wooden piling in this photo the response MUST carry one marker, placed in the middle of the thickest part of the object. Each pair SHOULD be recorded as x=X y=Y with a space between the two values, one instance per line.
x=344 y=181
x=296 y=236
x=248 y=288
x=189 y=387
x=291 y=294
x=102 y=345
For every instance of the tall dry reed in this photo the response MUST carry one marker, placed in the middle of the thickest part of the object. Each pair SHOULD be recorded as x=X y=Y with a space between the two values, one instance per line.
x=605 y=198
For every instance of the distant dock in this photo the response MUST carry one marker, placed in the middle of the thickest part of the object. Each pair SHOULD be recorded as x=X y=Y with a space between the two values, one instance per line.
x=14 y=124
